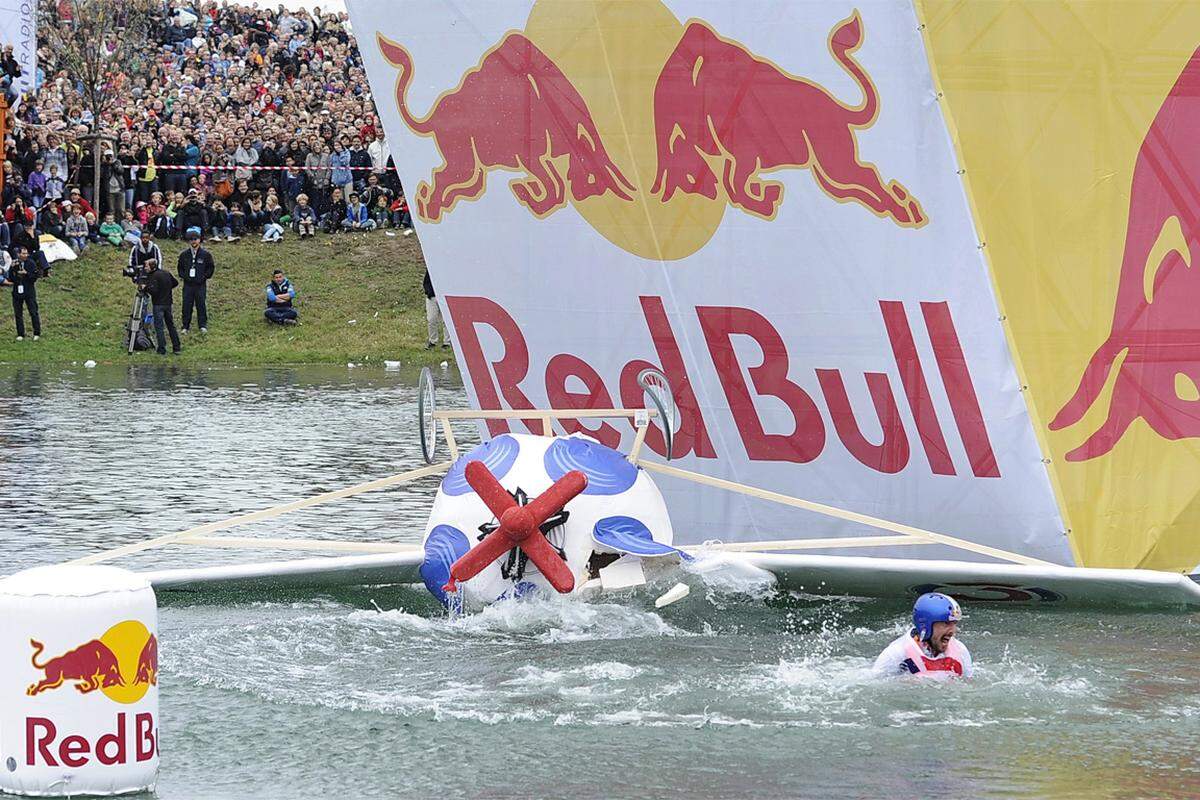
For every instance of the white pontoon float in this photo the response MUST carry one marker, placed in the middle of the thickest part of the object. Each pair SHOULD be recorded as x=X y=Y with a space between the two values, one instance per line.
x=1011 y=578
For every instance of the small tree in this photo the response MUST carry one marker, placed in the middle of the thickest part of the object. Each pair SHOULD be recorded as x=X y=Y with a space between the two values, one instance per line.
x=99 y=43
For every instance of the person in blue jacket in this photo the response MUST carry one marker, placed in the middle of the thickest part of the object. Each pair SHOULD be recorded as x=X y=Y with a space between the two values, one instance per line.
x=358 y=216
x=281 y=296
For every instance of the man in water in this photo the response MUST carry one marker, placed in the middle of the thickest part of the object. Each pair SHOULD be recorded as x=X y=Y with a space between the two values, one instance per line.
x=931 y=648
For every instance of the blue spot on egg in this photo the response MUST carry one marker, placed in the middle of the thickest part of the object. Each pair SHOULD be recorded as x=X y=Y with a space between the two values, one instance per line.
x=608 y=472
x=498 y=455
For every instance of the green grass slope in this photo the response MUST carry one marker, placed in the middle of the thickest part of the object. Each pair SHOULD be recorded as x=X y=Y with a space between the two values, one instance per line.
x=360 y=299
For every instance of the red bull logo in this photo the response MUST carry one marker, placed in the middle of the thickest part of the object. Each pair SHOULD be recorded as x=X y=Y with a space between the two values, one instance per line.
x=1154 y=342
x=717 y=101
x=678 y=124
x=515 y=111
x=121 y=664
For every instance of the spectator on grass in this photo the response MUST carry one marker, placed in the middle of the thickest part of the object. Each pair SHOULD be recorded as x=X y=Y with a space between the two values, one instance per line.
x=111 y=231
x=433 y=317
x=195 y=268
x=77 y=230
x=281 y=296
x=358 y=217
x=304 y=218
x=333 y=218
x=23 y=276
x=273 y=221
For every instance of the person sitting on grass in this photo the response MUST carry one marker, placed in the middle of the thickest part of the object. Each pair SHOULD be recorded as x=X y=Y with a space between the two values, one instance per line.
x=401 y=218
x=129 y=223
x=332 y=221
x=304 y=218
x=93 y=229
x=380 y=214
x=52 y=221
x=255 y=216
x=358 y=218
x=221 y=224
x=111 y=231
x=77 y=231
x=272 y=225
x=280 y=297
x=237 y=220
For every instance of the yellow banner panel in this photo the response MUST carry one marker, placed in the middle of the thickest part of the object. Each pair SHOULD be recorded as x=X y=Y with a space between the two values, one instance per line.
x=1079 y=126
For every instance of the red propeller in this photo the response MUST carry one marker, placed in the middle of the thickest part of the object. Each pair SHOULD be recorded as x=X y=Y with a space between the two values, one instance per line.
x=520 y=526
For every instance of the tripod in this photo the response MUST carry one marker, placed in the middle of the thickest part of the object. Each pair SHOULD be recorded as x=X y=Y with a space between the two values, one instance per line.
x=136 y=317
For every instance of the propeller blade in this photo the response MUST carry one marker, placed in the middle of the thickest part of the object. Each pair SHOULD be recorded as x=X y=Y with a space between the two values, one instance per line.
x=493 y=495
x=475 y=560
x=549 y=562
x=553 y=499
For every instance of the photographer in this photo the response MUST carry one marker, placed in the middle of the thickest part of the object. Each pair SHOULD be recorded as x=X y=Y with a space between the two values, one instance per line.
x=159 y=285
x=23 y=276
x=193 y=214
x=195 y=267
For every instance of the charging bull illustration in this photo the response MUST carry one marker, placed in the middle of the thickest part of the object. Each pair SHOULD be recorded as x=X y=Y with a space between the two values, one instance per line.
x=147 y=668
x=91 y=666
x=717 y=102
x=516 y=111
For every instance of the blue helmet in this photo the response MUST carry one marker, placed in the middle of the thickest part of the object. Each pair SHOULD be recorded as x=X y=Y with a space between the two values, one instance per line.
x=934 y=607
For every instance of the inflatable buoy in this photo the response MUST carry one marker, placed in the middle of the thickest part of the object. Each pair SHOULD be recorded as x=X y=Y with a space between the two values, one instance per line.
x=79 y=678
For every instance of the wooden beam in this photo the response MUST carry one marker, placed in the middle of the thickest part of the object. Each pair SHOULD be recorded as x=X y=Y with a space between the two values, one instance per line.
x=808 y=544
x=267 y=513
x=561 y=413
x=839 y=513
x=323 y=545
x=638 y=440
x=451 y=442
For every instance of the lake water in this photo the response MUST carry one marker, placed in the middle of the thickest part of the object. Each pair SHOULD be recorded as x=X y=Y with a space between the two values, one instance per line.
x=376 y=693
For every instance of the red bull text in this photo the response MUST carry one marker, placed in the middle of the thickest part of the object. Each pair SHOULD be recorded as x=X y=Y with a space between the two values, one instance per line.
x=770 y=379
x=45 y=745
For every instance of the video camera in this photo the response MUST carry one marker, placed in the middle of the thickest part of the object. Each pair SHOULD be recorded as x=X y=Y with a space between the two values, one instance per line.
x=139 y=275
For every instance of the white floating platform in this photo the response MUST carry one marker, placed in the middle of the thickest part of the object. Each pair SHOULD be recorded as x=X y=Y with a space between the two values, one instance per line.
x=888 y=578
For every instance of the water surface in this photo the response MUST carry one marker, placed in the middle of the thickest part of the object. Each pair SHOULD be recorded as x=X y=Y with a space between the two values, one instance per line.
x=375 y=693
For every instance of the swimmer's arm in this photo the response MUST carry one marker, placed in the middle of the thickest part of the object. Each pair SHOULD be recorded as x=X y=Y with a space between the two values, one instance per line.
x=968 y=663
x=890 y=661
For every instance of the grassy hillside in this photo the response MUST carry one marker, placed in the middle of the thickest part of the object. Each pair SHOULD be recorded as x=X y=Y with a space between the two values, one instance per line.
x=360 y=299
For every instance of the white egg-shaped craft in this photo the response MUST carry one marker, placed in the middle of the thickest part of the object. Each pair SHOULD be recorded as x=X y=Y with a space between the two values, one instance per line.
x=619 y=512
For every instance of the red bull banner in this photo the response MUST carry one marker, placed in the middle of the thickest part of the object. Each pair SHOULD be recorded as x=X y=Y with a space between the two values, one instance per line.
x=1074 y=122
x=762 y=199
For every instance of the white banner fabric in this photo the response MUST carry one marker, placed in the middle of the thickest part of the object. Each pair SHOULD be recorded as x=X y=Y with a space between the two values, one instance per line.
x=760 y=198
x=18 y=27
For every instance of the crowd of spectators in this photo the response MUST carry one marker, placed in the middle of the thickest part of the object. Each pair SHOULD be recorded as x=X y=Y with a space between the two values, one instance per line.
x=233 y=119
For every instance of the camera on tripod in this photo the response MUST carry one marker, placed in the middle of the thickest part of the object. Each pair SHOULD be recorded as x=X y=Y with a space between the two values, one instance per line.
x=139 y=274
x=137 y=335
